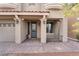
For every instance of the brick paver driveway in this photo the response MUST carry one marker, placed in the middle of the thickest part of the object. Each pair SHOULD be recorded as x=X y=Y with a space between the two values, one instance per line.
x=30 y=47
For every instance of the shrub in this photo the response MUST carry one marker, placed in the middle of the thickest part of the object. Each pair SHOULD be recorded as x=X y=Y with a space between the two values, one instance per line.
x=77 y=35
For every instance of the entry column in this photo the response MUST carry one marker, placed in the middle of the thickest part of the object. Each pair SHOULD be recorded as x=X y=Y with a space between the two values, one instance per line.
x=43 y=29
x=20 y=34
x=17 y=31
x=64 y=30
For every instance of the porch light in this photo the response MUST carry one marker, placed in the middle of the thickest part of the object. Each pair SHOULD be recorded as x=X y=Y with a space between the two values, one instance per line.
x=44 y=22
x=16 y=21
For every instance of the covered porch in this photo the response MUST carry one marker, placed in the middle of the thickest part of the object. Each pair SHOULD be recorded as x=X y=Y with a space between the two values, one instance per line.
x=33 y=30
x=42 y=29
x=37 y=25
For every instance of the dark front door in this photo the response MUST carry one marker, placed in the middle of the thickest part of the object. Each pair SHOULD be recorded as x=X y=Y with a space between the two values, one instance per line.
x=33 y=30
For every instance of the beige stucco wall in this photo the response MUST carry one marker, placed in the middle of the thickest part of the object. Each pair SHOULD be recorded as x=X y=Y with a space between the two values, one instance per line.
x=18 y=32
x=55 y=14
x=35 y=7
x=28 y=7
x=64 y=29
x=15 y=6
x=23 y=31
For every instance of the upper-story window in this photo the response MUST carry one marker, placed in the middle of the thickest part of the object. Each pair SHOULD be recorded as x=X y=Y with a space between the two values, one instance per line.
x=31 y=4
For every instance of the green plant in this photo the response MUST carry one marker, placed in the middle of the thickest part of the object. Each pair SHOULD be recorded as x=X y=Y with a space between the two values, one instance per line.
x=77 y=35
x=76 y=30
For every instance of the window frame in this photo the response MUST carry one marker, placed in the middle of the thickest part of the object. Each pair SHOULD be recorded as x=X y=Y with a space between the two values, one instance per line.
x=31 y=4
x=51 y=29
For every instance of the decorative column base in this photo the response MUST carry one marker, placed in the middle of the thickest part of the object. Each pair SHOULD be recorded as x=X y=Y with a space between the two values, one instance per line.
x=65 y=39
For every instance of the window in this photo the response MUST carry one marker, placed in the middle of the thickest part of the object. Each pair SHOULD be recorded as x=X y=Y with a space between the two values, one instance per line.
x=13 y=25
x=31 y=4
x=49 y=27
x=9 y=24
x=4 y=25
x=33 y=27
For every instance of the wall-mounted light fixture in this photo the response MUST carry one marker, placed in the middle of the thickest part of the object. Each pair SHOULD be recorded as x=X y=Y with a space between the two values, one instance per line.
x=16 y=21
x=44 y=22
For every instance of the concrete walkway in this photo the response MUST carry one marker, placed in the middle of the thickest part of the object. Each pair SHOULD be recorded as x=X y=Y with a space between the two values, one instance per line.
x=10 y=48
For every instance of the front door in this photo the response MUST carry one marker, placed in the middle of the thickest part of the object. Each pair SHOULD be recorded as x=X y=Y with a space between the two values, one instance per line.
x=33 y=30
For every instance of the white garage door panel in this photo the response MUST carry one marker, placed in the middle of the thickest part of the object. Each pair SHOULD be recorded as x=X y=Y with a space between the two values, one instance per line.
x=7 y=33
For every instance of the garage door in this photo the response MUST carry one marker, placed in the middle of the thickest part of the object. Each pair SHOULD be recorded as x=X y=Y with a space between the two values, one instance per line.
x=7 y=31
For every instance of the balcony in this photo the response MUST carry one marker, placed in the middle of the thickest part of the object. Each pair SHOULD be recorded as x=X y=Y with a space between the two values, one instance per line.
x=54 y=6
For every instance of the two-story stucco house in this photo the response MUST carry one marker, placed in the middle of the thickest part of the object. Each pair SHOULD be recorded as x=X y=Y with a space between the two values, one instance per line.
x=41 y=21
